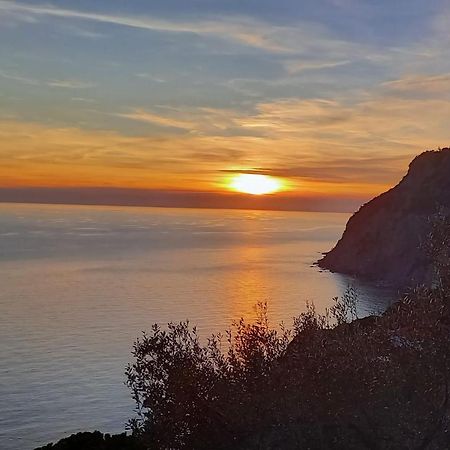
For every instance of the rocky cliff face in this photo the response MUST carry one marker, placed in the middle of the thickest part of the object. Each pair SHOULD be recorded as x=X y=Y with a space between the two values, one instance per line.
x=384 y=240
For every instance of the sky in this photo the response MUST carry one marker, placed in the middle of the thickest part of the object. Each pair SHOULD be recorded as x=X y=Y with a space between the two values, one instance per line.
x=175 y=97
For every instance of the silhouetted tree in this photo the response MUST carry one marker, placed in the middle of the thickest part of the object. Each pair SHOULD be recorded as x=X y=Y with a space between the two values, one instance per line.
x=189 y=395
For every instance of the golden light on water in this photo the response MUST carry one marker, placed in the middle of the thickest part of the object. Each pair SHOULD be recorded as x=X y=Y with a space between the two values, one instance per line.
x=255 y=184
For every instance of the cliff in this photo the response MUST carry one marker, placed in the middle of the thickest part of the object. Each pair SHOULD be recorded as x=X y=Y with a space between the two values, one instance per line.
x=383 y=241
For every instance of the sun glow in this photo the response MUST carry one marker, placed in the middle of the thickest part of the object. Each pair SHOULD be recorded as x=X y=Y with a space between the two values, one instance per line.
x=255 y=184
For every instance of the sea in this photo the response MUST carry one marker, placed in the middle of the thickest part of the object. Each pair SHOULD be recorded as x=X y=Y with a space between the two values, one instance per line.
x=80 y=283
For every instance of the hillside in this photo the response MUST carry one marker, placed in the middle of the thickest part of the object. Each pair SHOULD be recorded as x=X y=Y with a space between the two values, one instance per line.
x=383 y=241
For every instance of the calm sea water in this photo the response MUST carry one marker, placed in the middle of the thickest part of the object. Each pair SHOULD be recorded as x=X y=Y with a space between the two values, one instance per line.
x=79 y=284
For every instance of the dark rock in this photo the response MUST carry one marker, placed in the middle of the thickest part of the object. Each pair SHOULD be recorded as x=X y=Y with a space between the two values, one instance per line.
x=96 y=441
x=383 y=241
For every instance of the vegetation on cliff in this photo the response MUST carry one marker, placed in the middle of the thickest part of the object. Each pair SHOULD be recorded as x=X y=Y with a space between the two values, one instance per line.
x=375 y=383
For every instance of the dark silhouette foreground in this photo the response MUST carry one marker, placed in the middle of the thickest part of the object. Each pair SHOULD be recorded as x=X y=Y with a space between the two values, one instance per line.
x=96 y=441
x=375 y=383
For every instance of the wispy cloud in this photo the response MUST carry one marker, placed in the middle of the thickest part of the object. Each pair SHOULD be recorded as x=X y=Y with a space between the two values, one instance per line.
x=371 y=168
x=148 y=76
x=17 y=77
x=82 y=32
x=64 y=84
x=303 y=140
x=387 y=123
x=244 y=31
x=70 y=84
x=199 y=120
x=295 y=136
x=389 y=117
x=83 y=100
x=141 y=115
x=297 y=66
x=420 y=85
x=305 y=37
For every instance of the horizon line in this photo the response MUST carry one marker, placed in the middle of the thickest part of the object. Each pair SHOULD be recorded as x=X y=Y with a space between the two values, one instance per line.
x=139 y=197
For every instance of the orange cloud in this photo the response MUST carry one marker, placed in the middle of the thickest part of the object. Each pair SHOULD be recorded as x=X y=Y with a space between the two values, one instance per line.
x=321 y=146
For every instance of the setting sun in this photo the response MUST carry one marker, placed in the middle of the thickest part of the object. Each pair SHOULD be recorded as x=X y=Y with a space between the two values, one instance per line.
x=255 y=184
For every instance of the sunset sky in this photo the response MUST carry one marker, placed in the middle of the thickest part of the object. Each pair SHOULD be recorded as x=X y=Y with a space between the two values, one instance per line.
x=332 y=96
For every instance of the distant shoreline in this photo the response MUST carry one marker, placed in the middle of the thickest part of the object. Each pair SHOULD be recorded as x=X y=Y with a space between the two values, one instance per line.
x=101 y=196
x=121 y=205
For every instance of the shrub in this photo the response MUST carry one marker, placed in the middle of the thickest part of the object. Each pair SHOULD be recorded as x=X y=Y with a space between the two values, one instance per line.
x=375 y=383
x=189 y=395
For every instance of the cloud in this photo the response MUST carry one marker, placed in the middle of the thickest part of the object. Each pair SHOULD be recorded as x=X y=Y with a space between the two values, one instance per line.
x=324 y=146
x=16 y=77
x=65 y=84
x=141 y=115
x=376 y=168
x=82 y=32
x=246 y=32
x=150 y=77
x=70 y=84
x=200 y=120
x=83 y=100
x=378 y=118
x=301 y=39
x=42 y=155
x=306 y=138
x=220 y=155
x=297 y=66
x=420 y=85
x=296 y=115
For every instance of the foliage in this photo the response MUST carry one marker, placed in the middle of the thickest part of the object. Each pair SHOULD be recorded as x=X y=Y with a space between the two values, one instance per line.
x=189 y=395
x=437 y=248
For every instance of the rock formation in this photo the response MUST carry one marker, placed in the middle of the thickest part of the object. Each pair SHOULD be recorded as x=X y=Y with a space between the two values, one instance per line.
x=384 y=240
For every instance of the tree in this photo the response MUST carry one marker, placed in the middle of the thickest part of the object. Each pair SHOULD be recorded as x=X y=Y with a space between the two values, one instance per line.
x=189 y=395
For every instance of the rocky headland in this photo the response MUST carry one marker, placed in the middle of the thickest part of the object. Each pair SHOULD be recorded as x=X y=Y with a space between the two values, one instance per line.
x=384 y=240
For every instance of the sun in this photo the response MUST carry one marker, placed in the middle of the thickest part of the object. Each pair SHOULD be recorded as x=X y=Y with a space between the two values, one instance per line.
x=255 y=184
